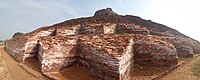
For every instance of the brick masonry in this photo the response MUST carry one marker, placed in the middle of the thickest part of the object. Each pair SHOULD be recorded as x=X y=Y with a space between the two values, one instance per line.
x=104 y=53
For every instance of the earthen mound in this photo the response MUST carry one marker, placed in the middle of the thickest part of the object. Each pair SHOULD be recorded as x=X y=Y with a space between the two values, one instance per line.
x=104 y=44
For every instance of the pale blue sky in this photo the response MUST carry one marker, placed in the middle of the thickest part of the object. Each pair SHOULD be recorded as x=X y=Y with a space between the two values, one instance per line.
x=28 y=15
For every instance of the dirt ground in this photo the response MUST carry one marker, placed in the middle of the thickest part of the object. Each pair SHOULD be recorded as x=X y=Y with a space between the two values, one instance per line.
x=12 y=70
x=4 y=72
x=184 y=72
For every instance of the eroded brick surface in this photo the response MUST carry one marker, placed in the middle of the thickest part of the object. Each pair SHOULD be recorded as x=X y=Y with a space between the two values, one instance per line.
x=101 y=56
x=104 y=53
x=57 y=52
x=107 y=56
x=154 y=54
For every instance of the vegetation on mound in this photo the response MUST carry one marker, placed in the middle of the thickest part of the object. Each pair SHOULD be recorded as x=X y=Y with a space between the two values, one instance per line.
x=17 y=34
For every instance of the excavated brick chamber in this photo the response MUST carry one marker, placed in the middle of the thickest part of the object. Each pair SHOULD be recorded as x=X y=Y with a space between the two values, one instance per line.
x=104 y=60
x=97 y=47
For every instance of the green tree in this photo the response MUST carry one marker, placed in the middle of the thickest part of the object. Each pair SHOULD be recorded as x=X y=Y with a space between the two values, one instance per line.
x=17 y=34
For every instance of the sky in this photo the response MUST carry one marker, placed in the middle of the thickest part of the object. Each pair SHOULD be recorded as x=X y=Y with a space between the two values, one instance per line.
x=28 y=15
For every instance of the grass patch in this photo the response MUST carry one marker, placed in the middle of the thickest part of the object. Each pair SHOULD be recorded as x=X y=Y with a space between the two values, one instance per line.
x=196 y=69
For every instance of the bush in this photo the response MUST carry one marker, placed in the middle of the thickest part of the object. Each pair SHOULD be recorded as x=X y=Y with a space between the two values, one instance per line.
x=17 y=34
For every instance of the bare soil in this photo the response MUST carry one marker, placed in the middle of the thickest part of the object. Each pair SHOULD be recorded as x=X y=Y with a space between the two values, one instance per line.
x=16 y=71
x=4 y=72
x=186 y=71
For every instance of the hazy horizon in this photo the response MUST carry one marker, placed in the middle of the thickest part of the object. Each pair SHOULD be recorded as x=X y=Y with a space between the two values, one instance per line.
x=28 y=15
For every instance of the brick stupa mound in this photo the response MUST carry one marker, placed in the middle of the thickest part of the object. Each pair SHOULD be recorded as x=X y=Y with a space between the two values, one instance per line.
x=105 y=12
x=106 y=44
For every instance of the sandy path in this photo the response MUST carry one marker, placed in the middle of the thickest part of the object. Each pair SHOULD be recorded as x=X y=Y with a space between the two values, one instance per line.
x=184 y=72
x=16 y=71
x=4 y=73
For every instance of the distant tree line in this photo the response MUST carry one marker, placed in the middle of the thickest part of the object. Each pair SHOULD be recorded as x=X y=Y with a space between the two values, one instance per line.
x=17 y=34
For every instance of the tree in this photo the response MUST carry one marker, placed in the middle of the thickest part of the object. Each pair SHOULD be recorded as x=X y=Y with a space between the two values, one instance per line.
x=17 y=34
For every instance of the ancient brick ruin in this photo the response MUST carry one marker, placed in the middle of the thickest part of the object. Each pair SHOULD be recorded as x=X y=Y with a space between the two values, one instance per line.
x=107 y=45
